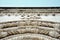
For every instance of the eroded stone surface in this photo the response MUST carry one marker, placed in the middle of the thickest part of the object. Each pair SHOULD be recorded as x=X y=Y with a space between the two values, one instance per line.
x=27 y=24
x=29 y=37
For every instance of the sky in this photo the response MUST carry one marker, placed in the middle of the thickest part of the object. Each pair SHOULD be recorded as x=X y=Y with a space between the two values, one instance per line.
x=29 y=3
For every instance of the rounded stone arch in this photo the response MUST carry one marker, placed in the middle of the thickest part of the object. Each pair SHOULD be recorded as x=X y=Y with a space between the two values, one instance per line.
x=29 y=37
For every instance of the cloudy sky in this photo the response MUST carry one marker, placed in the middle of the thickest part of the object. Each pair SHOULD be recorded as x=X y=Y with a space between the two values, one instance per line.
x=29 y=3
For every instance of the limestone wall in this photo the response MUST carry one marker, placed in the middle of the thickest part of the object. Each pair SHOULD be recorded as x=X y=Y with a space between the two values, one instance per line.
x=30 y=27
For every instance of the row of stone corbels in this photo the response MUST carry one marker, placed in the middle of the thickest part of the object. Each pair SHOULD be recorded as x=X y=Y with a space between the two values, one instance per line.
x=38 y=30
x=28 y=14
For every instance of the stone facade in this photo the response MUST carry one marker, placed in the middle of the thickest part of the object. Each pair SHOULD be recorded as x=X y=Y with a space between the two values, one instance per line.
x=29 y=27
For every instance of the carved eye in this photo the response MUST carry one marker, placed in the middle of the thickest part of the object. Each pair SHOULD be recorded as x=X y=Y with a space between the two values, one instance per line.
x=38 y=14
x=8 y=14
x=53 y=14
